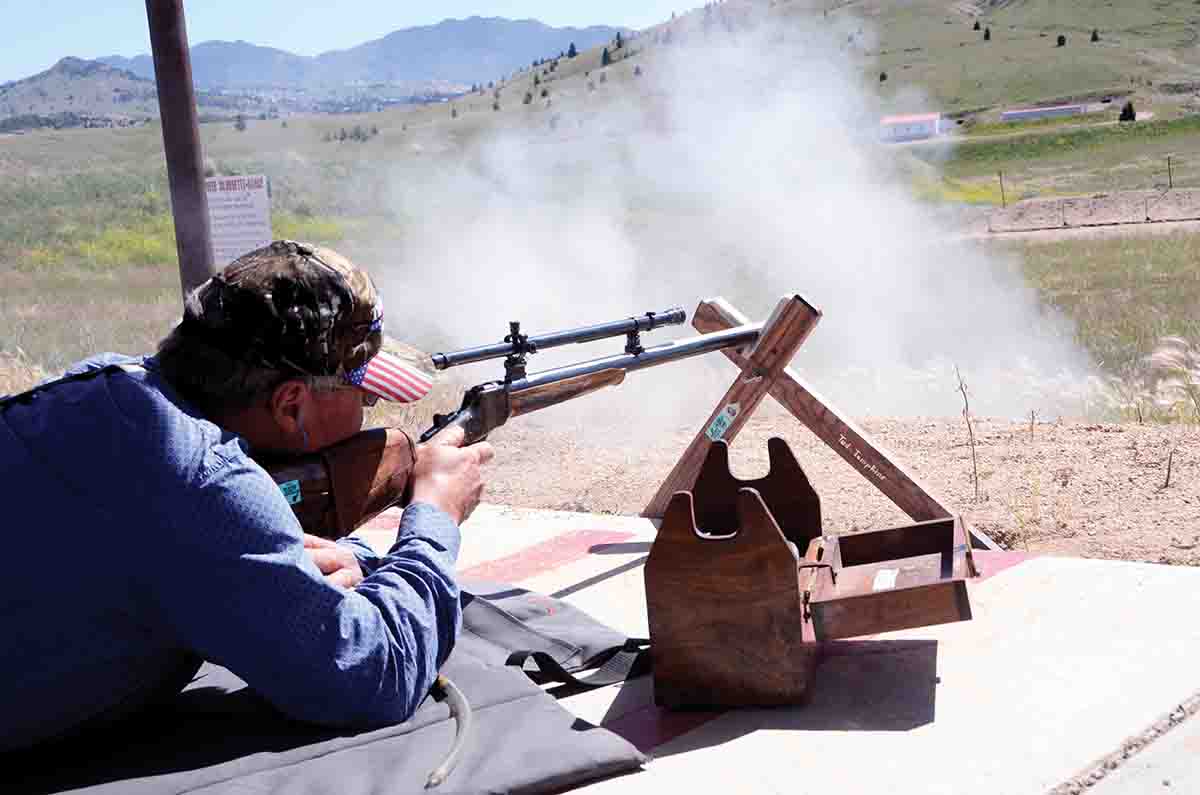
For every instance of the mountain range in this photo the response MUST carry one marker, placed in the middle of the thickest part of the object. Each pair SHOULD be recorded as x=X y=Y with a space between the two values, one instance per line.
x=473 y=50
x=238 y=77
x=77 y=93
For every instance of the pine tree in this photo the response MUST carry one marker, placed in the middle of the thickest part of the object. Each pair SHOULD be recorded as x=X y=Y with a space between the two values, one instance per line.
x=1095 y=36
x=987 y=34
x=605 y=58
x=571 y=51
x=1128 y=113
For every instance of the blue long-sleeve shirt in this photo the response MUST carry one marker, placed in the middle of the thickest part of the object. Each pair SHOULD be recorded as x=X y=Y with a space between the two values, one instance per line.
x=138 y=537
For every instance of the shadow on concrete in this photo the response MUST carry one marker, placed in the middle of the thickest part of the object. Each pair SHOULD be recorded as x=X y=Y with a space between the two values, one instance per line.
x=599 y=578
x=626 y=548
x=860 y=685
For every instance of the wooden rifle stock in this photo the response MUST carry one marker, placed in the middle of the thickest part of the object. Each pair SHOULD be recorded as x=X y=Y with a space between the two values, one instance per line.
x=539 y=397
x=336 y=490
x=341 y=487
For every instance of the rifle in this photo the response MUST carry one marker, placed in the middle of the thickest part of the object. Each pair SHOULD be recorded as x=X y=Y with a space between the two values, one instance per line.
x=336 y=490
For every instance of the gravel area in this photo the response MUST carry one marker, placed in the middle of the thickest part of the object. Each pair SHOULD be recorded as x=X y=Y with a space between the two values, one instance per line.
x=1123 y=207
x=1061 y=488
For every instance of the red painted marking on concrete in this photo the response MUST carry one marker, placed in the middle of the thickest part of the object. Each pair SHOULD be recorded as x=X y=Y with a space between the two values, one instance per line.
x=651 y=726
x=992 y=563
x=545 y=556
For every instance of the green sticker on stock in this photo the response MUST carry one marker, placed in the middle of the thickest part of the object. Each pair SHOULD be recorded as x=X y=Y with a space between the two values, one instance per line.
x=721 y=423
x=291 y=491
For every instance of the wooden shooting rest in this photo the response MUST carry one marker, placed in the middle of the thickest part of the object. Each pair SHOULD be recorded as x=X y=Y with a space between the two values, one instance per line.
x=742 y=583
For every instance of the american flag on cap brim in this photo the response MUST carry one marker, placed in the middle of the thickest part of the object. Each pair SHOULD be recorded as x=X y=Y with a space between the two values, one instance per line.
x=391 y=378
x=388 y=375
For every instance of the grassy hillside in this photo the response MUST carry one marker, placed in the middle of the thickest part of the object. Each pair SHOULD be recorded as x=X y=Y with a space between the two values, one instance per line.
x=85 y=225
x=84 y=88
x=1148 y=48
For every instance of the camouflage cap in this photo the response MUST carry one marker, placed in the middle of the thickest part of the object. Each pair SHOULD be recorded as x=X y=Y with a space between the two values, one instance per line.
x=291 y=306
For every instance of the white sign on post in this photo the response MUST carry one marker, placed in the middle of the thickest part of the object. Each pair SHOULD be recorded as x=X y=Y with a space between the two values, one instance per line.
x=240 y=212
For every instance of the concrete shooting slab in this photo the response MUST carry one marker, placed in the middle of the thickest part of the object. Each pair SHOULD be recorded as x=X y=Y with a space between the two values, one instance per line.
x=1064 y=659
x=1169 y=765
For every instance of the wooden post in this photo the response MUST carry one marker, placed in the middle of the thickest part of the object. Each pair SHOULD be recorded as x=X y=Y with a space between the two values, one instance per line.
x=181 y=141
x=1170 y=175
x=782 y=335
x=855 y=446
x=1003 y=198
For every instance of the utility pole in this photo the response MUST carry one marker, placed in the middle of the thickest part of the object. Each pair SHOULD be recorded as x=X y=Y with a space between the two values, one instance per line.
x=181 y=141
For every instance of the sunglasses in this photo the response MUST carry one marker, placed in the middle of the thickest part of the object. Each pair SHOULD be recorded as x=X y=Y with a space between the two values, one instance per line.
x=367 y=397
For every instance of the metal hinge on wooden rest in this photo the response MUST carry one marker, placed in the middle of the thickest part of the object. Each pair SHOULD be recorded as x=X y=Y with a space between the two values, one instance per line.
x=737 y=613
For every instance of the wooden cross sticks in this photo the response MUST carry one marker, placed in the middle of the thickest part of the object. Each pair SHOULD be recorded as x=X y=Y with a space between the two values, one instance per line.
x=782 y=335
x=764 y=371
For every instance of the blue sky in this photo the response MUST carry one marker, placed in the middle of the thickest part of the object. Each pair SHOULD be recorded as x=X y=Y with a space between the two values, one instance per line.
x=51 y=29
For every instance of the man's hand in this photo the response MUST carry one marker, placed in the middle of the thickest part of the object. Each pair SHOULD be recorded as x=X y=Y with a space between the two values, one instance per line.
x=447 y=475
x=335 y=561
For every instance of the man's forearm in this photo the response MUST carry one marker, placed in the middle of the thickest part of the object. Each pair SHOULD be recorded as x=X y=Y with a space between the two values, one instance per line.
x=419 y=569
x=327 y=654
x=368 y=558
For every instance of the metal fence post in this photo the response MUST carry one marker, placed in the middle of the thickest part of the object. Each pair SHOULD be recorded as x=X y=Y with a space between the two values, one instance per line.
x=181 y=140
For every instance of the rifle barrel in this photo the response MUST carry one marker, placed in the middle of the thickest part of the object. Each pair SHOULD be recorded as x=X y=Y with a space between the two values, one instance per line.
x=647 y=322
x=659 y=354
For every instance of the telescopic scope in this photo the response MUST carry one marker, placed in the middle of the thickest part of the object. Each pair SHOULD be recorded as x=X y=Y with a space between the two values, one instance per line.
x=517 y=344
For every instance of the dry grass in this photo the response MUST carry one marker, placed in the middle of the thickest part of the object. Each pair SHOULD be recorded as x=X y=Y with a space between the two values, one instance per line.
x=1135 y=304
x=17 y=373
x=1124 y=294
x=1175 y=374
x=59 y=316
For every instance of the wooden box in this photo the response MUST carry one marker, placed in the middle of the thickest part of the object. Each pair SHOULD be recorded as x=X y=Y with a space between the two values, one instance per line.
x=882 y=580
x=737 y=615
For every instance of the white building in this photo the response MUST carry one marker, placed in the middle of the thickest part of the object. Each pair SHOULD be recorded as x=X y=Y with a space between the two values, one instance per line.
x=913 y=127
x=1055 y=111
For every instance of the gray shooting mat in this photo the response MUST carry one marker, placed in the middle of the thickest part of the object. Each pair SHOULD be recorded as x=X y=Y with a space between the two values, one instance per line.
x=218 y=736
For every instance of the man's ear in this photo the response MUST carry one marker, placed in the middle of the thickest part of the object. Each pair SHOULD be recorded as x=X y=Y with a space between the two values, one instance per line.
x=288 y=404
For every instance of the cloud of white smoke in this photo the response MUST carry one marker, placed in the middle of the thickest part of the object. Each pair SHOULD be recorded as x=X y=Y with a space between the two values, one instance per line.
x=746 y=166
